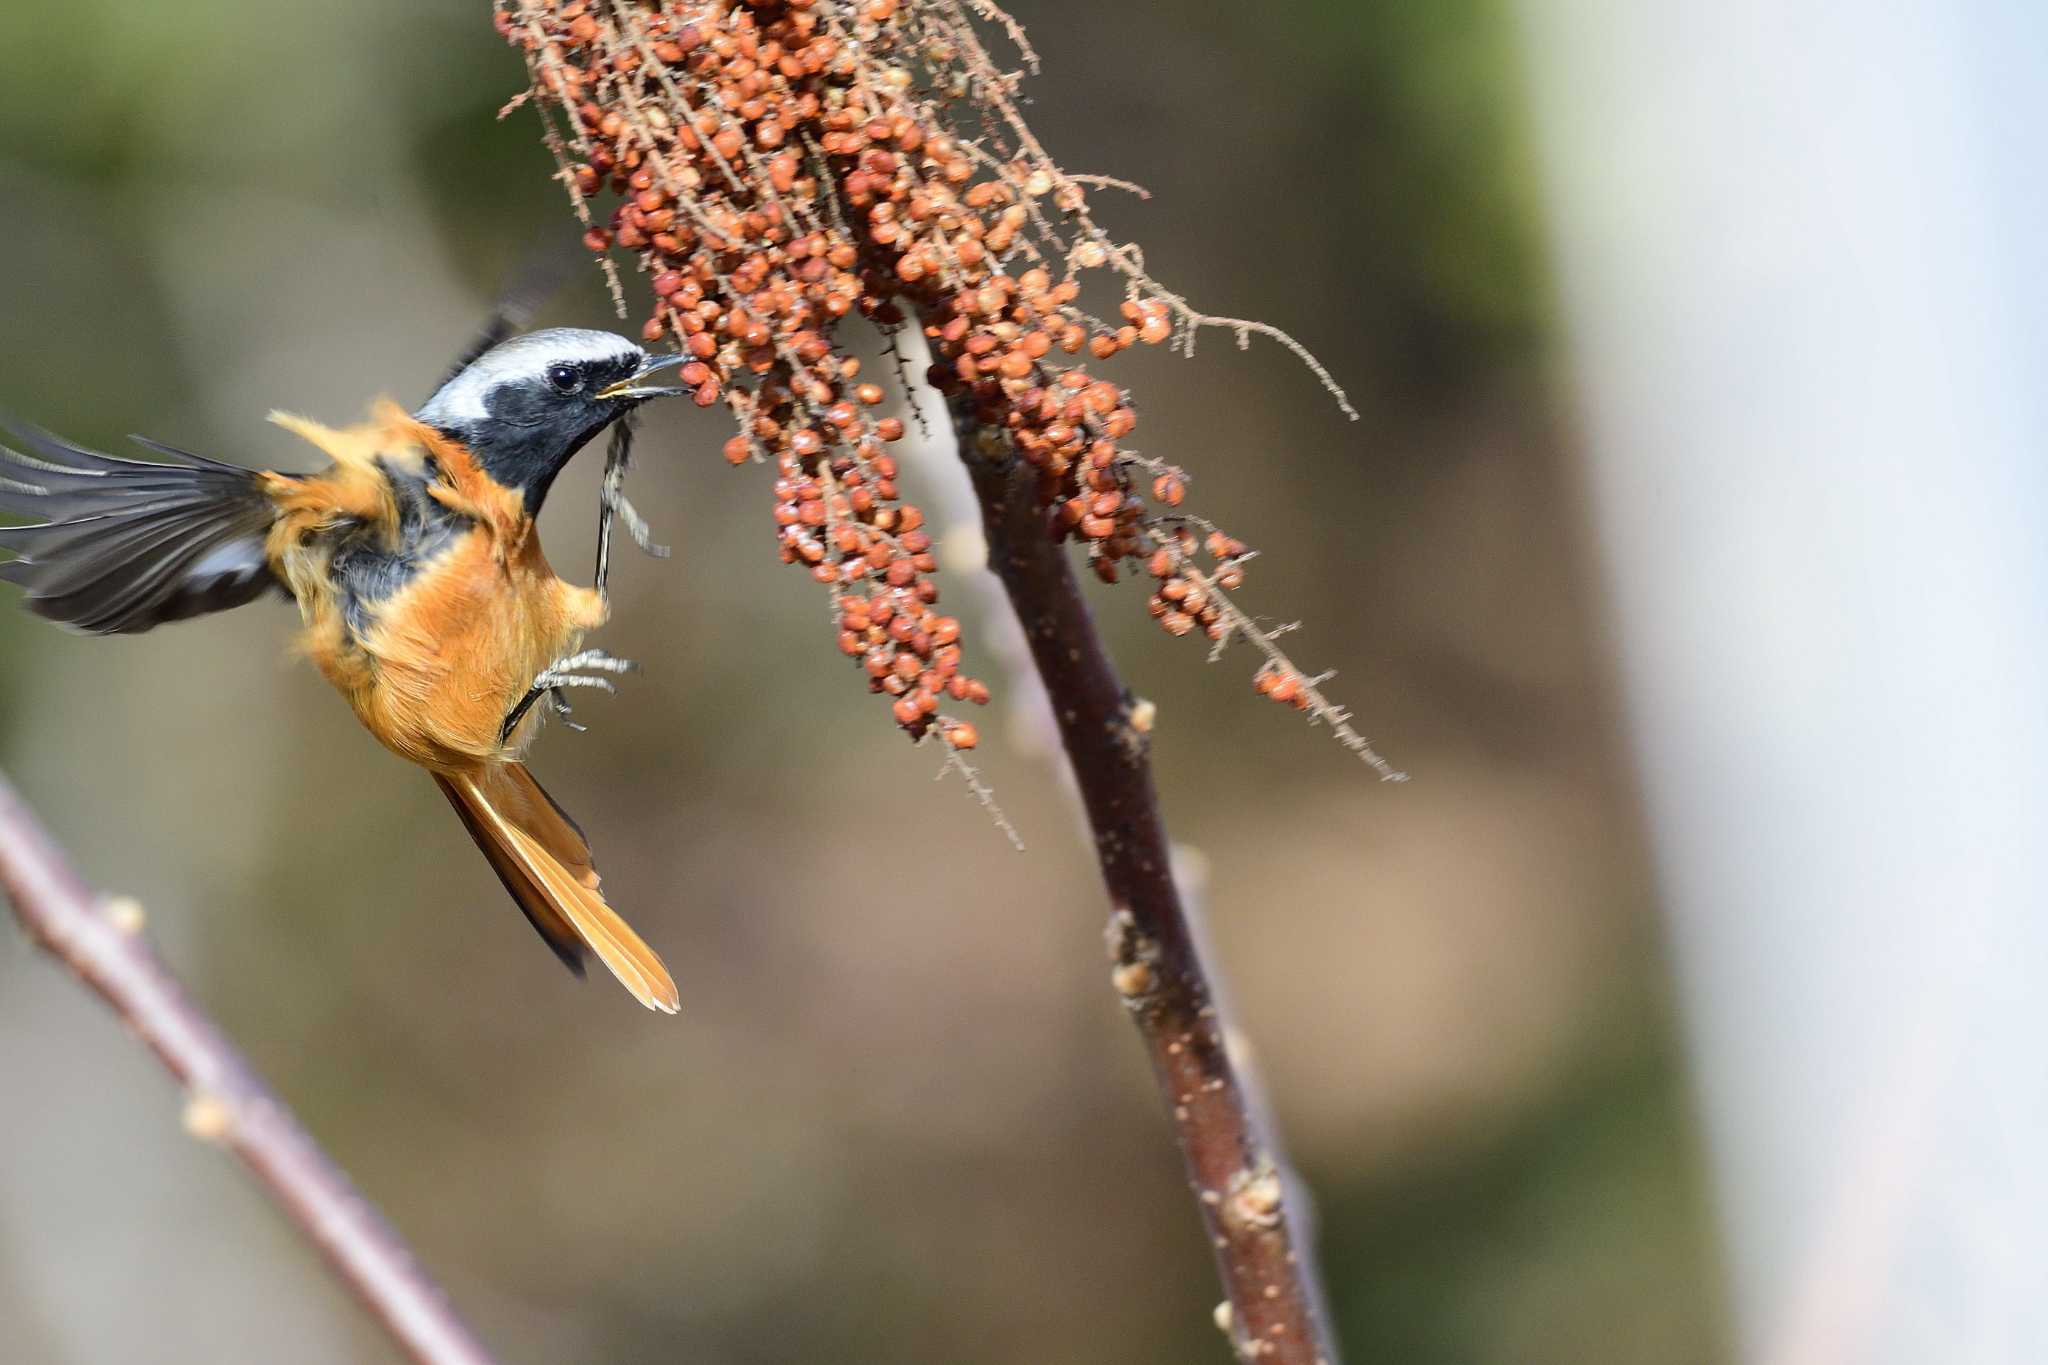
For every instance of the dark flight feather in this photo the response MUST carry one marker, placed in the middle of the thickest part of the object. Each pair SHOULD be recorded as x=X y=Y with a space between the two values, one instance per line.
x=124 y=545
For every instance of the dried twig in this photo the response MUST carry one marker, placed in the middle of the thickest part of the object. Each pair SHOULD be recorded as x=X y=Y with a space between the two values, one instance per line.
x=101 y=943
x=1157 y=970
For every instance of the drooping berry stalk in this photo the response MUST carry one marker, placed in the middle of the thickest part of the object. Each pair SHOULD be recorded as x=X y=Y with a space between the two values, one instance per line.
x=778 y=167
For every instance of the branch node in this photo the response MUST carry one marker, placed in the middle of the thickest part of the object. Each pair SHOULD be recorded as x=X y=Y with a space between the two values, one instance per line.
x=1255 y=1197
x=1134 y=957
x=1134 y=981
x=126 y=914
x=1134 y=727
x=208 y=1117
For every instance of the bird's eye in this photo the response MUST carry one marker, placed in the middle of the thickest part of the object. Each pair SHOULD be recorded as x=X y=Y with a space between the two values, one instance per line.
x=565 y=378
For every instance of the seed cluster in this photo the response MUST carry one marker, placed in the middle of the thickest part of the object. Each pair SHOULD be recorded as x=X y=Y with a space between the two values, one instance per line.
x=779 y=165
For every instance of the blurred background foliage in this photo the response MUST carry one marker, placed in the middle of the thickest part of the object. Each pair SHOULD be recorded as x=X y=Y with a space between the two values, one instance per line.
x=901 y=1117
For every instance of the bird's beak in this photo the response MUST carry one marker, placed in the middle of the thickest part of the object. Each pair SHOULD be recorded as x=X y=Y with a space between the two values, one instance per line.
x=633 y=387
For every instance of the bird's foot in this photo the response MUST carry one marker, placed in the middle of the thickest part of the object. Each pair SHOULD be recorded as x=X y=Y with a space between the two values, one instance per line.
x=559 y=701
x=590 y=668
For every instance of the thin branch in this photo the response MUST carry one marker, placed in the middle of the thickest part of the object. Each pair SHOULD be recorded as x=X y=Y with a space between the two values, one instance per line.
x=101 y=943
x=1272 y=1304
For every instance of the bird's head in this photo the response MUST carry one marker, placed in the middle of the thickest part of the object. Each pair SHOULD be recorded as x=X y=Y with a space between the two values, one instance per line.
x=525 y=406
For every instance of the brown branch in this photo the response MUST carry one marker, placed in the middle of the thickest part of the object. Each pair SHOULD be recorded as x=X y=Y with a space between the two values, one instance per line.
x=226 y=1103
x=1272 y=1310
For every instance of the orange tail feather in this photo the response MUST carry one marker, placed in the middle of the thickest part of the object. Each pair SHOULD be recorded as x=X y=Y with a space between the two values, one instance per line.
x=542 y=858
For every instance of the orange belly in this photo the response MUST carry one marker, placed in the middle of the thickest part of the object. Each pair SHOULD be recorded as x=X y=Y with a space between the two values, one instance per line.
x=449 y=655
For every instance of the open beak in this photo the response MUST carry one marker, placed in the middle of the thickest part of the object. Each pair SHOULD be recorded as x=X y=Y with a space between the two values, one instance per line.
x=634 y=387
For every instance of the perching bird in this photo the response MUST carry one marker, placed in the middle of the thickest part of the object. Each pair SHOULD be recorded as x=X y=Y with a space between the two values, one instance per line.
x=418 y=573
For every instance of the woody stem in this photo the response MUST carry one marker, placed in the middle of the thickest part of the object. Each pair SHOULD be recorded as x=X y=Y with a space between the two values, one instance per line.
x=1157 y=971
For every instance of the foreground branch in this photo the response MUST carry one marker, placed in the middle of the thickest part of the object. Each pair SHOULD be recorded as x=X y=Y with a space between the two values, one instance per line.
x=1272 y=1303
x=227 y=1103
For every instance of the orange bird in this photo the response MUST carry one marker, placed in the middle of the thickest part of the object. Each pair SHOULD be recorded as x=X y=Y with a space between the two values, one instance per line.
x=418 y=573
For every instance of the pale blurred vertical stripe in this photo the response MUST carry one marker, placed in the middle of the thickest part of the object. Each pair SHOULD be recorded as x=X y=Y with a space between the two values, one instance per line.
x=1803 y=264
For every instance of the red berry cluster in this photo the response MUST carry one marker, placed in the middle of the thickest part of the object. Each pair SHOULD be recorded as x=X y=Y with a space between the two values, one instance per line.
x=777 y=165
x=1185 y=598
x=846 y=531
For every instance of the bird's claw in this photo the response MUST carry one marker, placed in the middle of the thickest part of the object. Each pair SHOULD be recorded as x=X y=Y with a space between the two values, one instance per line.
x=578 y=669
x=590 y=668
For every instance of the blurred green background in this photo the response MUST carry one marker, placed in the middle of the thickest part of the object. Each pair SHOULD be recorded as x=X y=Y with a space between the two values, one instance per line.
x=901 y=1117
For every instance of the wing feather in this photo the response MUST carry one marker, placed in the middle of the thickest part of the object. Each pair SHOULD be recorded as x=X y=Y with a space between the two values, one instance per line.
x=124 y=545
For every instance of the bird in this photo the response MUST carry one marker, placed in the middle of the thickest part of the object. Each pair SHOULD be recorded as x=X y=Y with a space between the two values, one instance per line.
x=422 y=590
